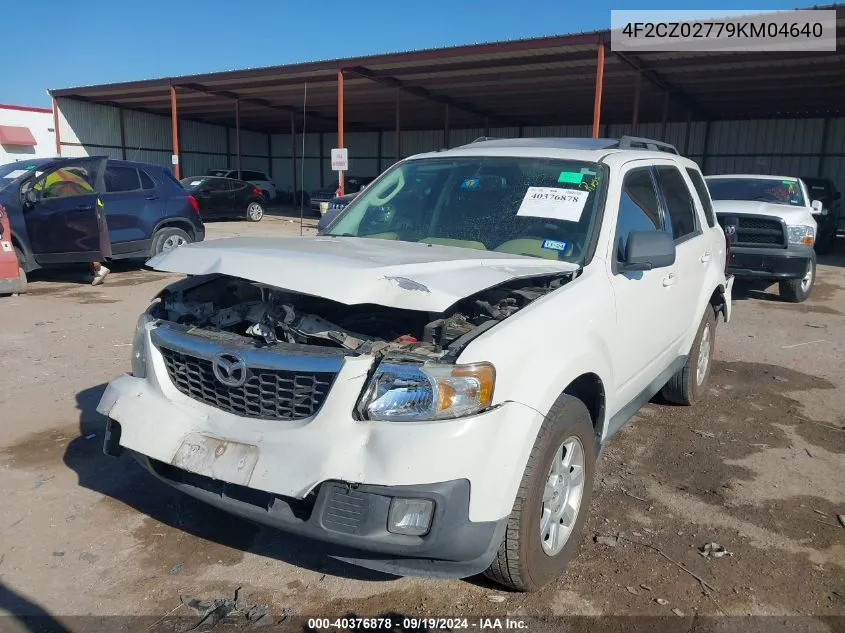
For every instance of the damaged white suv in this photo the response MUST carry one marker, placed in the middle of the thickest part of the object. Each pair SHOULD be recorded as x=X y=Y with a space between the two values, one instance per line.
x=426 y=387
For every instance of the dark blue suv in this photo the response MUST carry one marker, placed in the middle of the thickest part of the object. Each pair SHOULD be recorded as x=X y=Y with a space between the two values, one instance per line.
x=52 y=204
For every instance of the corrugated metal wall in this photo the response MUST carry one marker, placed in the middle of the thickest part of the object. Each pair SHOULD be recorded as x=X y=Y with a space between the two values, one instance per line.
x=778 y=146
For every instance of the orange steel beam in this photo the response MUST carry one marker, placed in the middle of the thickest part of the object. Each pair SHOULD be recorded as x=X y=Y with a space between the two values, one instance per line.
x=174 y=131
x=599 y=83
x=340 y=124
x=56 y=127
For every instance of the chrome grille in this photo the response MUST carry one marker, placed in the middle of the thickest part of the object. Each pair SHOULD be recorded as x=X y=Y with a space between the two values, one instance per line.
x=270 y=394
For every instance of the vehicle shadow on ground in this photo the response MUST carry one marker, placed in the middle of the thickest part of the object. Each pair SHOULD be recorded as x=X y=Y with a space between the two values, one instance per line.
x=124 y=480
x=80 y=274
x=26 y=613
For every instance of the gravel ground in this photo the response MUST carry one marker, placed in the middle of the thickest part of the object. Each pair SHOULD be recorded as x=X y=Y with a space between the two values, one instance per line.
x=757 y=467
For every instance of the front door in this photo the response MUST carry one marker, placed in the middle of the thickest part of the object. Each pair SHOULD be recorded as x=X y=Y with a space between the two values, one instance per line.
x=646 y=301
x=62 y=211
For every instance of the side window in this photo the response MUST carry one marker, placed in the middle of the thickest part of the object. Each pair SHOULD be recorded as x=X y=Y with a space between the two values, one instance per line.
x=703 y=195
x=146 y=181
x=121 y=179
x=64 y=183
x=679 y=205
x=638 y=208
x=216 y=184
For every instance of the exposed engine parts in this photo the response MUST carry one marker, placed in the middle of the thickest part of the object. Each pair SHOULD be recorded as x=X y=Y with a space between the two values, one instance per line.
x=270 y=315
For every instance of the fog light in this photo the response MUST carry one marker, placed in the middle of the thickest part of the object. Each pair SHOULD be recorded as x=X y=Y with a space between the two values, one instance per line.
x=410 y=516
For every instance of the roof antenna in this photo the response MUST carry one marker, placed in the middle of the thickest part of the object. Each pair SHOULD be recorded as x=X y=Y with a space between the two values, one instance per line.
x=302 y=162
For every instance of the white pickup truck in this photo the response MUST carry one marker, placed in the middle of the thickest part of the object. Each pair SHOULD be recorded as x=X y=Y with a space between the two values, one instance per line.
x=428 y=385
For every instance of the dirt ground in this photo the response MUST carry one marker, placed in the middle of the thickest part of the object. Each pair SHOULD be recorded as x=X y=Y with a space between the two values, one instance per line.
x=759 y=467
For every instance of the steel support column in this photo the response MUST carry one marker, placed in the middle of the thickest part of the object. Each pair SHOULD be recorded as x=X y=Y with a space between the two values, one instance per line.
x=270 y=155
x=706 y=144
x=122 y=134
x=823 y=152
x=293 y=158
x=228 y=148
x=238 y=136
x=446 y=126
x=687 y=132
x=340 y=125
x=599 y=85
x=486 y=126
x=665 y=118
x=174 y=132
x=56 y=127
x=379 y=168
x=398 y=133
x=635 y=118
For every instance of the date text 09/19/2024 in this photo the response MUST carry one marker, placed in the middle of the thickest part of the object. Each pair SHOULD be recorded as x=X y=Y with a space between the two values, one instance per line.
x=410 y=623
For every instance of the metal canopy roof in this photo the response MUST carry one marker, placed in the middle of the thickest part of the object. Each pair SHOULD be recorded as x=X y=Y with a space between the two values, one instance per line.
x=541 y=81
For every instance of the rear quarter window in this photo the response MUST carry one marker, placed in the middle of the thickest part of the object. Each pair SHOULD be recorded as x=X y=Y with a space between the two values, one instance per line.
x=703 y=195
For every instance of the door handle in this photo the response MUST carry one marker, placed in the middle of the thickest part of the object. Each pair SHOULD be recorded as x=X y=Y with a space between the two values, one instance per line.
x=82 y=208
x=706 y=257
x=669 y=279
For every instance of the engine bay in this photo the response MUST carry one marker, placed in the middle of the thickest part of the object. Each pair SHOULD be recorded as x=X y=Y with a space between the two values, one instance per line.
x=269 y=316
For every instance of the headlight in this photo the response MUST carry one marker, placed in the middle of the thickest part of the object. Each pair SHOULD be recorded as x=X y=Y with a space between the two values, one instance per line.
x=139 y=348
x=801 y=235
x=413 y=392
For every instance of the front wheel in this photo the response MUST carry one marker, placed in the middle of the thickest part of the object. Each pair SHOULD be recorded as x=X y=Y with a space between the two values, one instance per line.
x=168 y=238
x=687 y=385
x=254 y=211
x=798 y=290
x=544 y=526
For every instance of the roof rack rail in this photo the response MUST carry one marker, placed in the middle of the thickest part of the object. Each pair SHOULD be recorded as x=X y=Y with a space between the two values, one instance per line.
x=636 y=142
x=485 y=138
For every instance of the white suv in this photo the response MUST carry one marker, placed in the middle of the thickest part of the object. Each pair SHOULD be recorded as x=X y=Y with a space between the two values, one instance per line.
x=428 y=385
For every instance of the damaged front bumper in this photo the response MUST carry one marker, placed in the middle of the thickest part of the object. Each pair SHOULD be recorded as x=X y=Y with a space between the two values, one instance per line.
x=293 y=474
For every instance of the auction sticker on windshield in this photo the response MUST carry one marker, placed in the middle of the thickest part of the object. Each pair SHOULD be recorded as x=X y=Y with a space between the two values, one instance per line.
x=16 y=173
x=553 y=203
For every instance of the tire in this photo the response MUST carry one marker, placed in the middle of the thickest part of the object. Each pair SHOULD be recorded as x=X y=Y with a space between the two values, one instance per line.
x=687 y=385
x=798 y=290
x=168 y=238
x=254 y=211
x=521 y=562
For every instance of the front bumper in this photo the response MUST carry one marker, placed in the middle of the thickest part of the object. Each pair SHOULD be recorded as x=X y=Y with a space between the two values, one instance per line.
x=769 y=263
x=352 y=520
x=299 y=460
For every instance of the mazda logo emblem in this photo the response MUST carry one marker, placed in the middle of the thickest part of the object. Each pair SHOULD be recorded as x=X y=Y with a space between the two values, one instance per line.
x=229 y=369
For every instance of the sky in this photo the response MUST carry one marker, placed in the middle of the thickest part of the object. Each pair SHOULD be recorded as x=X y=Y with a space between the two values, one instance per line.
x=103 y=41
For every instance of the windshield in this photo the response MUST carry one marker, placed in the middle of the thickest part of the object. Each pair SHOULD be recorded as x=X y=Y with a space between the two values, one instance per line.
x=14 y=172
x=536 y=207
x=762 y=189
x=191 y=183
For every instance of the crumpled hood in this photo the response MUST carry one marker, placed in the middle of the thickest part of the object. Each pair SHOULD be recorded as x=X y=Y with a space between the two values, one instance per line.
x=354 y=270
x=791 y=215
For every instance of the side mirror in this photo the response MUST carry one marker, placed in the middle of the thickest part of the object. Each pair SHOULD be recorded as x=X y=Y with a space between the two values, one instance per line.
x=817 y=207
x=30 y=197
x=647 y=250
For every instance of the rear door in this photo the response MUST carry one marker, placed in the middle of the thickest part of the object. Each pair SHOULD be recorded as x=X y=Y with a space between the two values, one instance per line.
x=126 y=201
x=695 y=247
x=215 y=197
x=62 y=211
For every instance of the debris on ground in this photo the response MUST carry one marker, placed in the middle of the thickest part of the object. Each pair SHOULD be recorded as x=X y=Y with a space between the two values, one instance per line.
x=819 y=512
x=841 y=518
x=646 y=587
x=178 y=568
x=706 y=434
x=632 y=590
x=661 y=601
x=211 y=612
x=678 y=612
x=610 y=541
x=713 y=550
x=496 y=598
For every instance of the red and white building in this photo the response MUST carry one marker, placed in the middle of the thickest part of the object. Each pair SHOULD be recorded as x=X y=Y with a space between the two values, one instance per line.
x=26 y=133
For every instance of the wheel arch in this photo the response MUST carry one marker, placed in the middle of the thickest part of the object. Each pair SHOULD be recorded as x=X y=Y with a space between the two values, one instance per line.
x=179 y=223
x=589 y=389
x=29 y=264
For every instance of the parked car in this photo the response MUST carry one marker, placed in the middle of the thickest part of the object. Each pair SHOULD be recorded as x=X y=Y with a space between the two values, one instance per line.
x=320 y=198
x=830 y=217
x=771 y=224
x=257 y=178
x=147 y=210
x=226 y=197
x=429 y=384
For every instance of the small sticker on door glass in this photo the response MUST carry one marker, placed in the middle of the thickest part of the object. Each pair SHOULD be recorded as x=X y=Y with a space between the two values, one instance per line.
x=553 y=203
